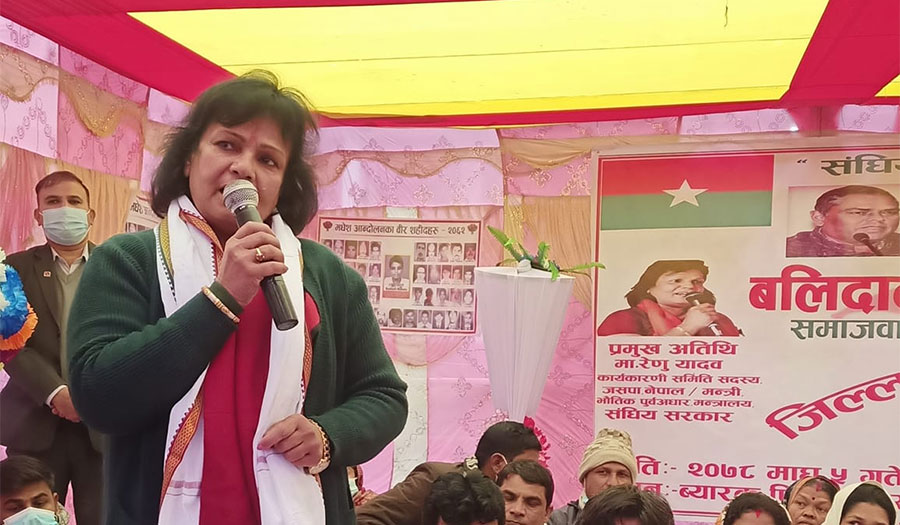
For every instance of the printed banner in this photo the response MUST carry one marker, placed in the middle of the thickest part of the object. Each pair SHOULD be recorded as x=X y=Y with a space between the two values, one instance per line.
x=420 y=274
x=140 y=214
x=748 y=321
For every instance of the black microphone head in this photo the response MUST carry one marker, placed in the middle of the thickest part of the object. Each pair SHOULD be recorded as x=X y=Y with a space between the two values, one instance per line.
x=240 y=193
x=861 y=237
x=704 y=297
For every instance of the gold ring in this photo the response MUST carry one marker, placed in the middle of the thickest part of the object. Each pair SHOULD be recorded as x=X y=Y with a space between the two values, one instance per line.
x=259 y=256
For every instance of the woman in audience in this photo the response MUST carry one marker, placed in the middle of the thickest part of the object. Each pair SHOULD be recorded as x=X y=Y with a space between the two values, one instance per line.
x=865 y=503
x=809 y=499
x=753 y=508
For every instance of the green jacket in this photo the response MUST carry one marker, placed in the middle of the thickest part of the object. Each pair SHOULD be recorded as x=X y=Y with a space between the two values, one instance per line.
x=129 y=364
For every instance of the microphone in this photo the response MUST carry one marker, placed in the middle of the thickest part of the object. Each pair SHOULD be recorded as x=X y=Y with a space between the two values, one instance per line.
x=241 y=198
x=864 y=238
x=704 y=297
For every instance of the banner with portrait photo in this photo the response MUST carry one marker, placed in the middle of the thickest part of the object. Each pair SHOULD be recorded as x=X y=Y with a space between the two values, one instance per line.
x=748 y=319
x=420 y=274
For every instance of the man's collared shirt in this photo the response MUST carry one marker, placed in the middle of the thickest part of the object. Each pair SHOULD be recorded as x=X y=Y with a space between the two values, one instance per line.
x=66 y=267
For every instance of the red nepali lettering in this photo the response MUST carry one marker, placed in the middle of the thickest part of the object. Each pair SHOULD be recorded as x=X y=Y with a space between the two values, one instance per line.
x=787 y=419
x=861 y=293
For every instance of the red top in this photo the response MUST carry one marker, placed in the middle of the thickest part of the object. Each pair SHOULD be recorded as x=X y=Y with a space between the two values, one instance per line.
x=232 y=397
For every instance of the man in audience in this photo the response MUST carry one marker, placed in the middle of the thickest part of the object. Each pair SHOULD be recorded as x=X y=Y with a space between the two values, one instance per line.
x=627 y=505
x=402 y=505
x=37 y=417
x=607 y=462
x=527 y=489
x=27 y=483
x=468 y=498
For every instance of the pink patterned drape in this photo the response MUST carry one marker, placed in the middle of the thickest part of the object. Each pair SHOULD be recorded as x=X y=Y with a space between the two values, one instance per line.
x=31 y=124
x=105 y=79
x=24 y=39
x=372 y=167
x=28 y=98
x=119 y=154
x=19 y=172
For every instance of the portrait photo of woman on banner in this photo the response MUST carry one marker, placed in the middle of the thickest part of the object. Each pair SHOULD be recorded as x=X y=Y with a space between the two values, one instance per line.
x=670 y=299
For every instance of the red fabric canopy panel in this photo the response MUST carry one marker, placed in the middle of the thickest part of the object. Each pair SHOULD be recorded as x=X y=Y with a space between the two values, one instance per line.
x=854 y=52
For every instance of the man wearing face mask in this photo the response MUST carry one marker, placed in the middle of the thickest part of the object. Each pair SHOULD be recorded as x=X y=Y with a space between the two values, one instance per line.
x=37 y=417
x=404 y=504
x=26 y=494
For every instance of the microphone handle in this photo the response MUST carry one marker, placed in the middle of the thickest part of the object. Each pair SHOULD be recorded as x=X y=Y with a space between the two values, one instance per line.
x=280 y=303
x=714 y=326
x=872 y=247
x=274 y=289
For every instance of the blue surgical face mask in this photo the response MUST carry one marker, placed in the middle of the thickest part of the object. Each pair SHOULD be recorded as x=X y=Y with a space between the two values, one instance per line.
x=65 y=226
x=32 y=516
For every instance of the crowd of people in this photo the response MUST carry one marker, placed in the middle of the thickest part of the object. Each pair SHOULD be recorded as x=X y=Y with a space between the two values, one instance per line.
x=504 y=483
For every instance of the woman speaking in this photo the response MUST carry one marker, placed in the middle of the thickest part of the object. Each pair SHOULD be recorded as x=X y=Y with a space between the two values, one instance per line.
x=214 y=415
x=670 y=299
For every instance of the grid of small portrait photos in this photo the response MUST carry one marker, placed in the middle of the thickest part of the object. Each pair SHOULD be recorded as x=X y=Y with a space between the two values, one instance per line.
x=431 y=290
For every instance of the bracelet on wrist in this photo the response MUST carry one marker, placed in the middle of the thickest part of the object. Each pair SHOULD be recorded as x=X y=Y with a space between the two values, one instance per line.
x=220 y=305
x=326 y=451
x=682 y=330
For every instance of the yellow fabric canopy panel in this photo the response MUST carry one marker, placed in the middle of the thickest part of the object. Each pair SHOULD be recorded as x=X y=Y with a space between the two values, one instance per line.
x=510 y=56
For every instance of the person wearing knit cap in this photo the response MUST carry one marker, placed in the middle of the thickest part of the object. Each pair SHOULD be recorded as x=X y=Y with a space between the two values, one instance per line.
x=607 y=462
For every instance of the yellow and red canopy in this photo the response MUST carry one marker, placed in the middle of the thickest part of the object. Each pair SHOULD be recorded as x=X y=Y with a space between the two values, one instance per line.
x=497 y=62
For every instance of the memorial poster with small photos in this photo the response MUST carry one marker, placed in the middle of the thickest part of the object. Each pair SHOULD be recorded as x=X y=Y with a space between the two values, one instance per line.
x=420 y=273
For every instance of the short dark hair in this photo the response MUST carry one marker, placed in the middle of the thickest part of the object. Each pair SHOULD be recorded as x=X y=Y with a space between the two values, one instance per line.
x=509 y=438
x=830 y=197
x=257 y=94
x=656 y=270
x=395 y=259
x=17 y=472
x=755 y=502
x=870 y=493
x=626 y=502
x=532 y=473
x=463 y=499
x=56 y=177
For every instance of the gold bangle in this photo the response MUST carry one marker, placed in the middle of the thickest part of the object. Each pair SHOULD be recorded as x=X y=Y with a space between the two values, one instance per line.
x=685 y=332
x=326 y=452
x=220 y=305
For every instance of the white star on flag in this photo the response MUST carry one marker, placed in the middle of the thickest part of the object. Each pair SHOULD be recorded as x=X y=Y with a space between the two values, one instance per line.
x=685 y=194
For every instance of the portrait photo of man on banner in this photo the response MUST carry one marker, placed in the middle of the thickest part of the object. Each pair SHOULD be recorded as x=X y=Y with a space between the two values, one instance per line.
x=847 y=221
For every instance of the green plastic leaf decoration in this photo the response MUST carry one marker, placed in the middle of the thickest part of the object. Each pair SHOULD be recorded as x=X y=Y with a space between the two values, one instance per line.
x=506 y=242
x=586 y=267
x=541 y=261
x=543 y=248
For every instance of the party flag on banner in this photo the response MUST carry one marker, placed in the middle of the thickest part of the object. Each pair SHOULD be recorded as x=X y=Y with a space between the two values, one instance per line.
x=686 y=192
